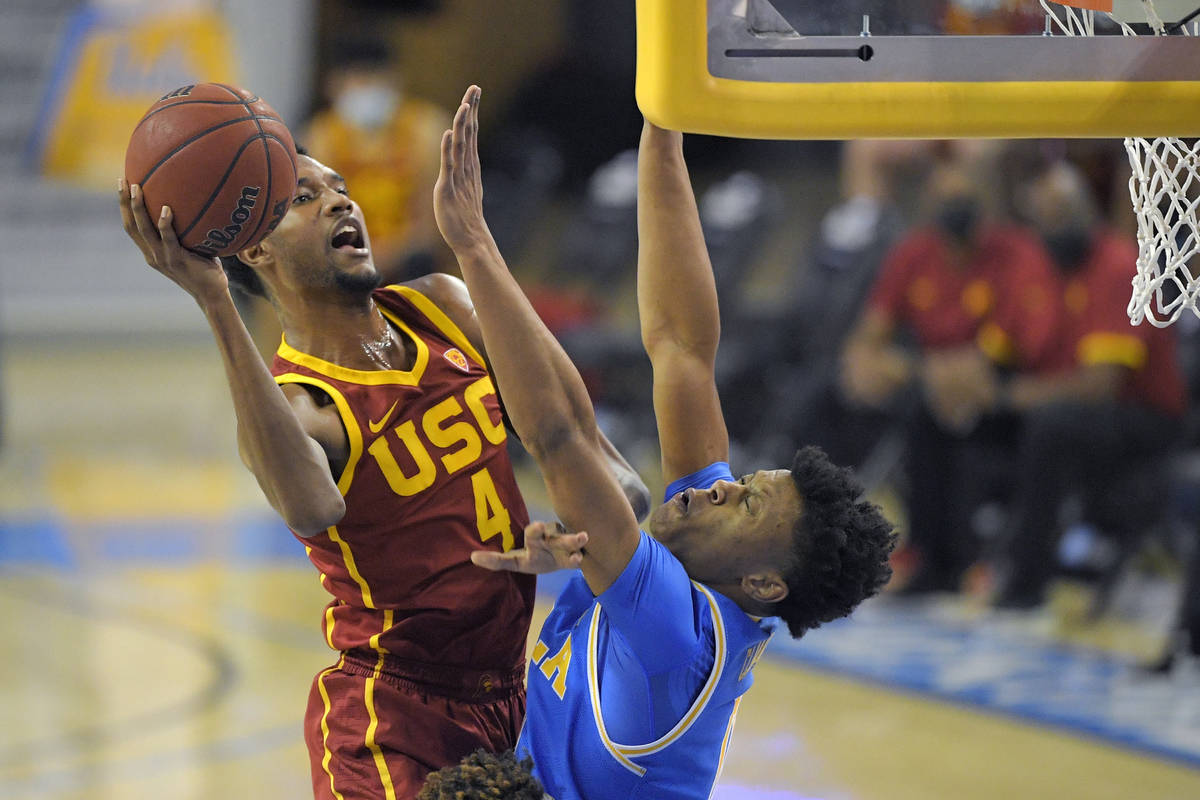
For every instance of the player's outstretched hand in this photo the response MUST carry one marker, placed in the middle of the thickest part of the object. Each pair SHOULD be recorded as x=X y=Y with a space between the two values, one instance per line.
x=198 y=276
x=458 y=193
x=546 y=550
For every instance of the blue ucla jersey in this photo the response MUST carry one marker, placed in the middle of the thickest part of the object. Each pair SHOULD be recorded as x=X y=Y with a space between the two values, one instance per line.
x=633 y=694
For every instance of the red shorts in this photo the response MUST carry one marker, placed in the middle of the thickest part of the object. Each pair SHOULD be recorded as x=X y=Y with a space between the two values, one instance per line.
x=375 y=729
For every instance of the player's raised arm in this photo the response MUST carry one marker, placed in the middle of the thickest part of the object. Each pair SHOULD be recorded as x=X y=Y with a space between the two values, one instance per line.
x=451 y=295
x=275 y=436
x=677 y=305
x=543 y=392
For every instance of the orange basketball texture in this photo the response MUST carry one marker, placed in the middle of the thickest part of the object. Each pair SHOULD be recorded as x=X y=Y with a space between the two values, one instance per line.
x=221 y=158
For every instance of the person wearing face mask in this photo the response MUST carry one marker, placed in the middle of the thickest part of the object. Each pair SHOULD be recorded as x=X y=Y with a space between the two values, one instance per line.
x=1109 y=407
x=956 y=299
x=385 y=142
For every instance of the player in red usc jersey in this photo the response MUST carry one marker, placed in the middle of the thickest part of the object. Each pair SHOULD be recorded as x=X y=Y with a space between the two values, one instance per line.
x=377 y=435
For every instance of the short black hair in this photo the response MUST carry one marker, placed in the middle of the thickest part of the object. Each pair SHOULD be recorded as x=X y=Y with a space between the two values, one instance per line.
x=841 y=549
x=484 y=776
x=242 y=276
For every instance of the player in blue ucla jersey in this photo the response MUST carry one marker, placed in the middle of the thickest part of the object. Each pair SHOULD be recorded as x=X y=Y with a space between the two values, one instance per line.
x=635 y=677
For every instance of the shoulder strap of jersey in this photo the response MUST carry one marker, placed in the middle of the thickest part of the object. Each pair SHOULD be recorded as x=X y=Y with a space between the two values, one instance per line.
x=439 y=320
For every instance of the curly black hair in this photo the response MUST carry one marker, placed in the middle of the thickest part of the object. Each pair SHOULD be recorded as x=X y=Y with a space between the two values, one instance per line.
x=841 y=548
x=484 y=776
x=242 y=276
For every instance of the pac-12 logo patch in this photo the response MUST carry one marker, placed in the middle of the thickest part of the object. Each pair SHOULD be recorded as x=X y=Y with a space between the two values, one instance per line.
x=455 y=357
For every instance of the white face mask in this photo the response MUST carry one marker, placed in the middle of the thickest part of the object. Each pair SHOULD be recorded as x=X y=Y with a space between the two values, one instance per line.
x=368 y=107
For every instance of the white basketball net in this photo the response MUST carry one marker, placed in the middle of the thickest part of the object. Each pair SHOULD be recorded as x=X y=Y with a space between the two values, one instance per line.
x=1165 y=188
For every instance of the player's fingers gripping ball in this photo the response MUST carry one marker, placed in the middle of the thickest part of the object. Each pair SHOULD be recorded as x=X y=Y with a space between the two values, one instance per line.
x=221 y=158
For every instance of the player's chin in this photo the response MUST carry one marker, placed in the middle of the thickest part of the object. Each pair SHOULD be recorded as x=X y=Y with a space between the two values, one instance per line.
x=360 y=276
x=661 y=522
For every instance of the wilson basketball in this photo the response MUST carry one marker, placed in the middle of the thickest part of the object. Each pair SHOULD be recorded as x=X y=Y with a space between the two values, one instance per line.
x=221 y=158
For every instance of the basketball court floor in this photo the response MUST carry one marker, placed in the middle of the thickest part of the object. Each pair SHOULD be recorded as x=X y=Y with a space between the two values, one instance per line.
x=159 y=631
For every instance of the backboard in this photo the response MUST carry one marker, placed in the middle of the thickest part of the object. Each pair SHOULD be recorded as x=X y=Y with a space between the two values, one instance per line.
x=808 y=69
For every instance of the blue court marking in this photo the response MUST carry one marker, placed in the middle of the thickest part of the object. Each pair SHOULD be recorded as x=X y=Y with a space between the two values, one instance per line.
x=734 y=792
x=245 y=538
x=996 y=664
x=265 y=538
x=38 y=541
x=169 y=540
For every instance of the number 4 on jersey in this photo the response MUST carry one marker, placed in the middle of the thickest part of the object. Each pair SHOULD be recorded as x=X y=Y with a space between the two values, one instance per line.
x=490 y=514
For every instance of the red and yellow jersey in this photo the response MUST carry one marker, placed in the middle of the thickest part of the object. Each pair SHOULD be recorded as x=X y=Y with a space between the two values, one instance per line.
x=428 y=480
x=1096 y=328
x=1005 y=300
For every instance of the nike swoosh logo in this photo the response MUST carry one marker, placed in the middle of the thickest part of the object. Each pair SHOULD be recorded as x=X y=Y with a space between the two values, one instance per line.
x=376 y=427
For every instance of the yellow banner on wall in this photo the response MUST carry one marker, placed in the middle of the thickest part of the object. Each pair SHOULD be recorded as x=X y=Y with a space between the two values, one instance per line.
x=109 y=71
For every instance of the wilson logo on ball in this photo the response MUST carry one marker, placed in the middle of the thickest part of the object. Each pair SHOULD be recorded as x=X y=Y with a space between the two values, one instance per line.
x=220 y=239
x=221 y=158
x=182 y=91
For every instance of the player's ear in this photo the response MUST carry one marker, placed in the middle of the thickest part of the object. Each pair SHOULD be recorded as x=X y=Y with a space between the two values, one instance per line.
x=765 y=587
x=255 y=256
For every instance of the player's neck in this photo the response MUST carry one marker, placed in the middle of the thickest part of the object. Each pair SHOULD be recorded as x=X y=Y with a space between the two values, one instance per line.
x=352 y=335
x=743 y=601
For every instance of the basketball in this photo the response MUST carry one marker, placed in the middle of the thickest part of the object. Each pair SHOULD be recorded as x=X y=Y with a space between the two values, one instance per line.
x=221 y=158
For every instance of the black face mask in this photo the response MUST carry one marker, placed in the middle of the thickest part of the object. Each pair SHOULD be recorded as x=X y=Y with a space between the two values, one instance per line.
x=1069 y=247
x=958 y=217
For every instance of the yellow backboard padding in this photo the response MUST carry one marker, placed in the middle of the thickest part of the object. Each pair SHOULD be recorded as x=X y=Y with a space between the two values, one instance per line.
x=675 y=90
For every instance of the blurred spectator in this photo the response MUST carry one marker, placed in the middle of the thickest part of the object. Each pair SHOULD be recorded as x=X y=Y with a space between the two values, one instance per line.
x=867 y=214
x=978 y=17
x=386 y=144
x=876 y=178
x=577 y=298
x=1102 y=420
x=974 y=296
x=586 y=133
x=877 y=174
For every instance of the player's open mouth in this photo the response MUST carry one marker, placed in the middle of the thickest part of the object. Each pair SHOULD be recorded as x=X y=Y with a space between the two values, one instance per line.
x=348 y=237
x=682 y=500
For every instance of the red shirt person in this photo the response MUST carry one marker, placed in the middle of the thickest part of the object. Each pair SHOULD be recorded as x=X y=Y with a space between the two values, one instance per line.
x=958 y=286
x=974 y=297
x=1096 y=327
x=1000 y=299
x=1106 y=411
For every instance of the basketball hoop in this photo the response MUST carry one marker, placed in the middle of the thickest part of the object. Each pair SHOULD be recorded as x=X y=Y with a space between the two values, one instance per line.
x=1165 y=185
